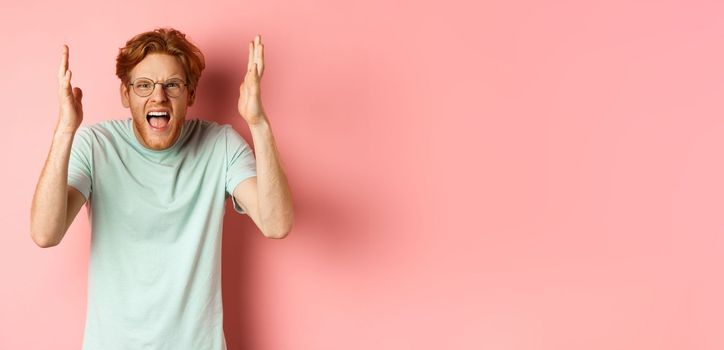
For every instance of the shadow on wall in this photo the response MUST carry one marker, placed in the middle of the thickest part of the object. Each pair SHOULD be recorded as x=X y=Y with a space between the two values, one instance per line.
x=336 y=224
x=237 y=262
x=217 y=97
x=216 y=100
x=334 y=235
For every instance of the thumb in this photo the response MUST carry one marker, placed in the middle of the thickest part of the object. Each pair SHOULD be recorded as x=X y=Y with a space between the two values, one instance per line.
x=77 y=93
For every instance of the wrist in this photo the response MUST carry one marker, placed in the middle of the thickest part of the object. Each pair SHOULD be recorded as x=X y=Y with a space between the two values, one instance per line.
x=61 y=133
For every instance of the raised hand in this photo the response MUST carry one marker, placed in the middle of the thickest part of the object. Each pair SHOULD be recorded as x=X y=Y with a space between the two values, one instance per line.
x=250 y=91
x=69 y=98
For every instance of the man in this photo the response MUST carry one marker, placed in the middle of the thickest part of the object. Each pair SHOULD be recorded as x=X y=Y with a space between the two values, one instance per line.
x=155 y=186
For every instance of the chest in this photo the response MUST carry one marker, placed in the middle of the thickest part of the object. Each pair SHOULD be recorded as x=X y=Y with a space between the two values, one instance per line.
x=136 y=181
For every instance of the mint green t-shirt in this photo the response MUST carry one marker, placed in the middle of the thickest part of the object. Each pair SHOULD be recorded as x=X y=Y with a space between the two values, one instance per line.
x=154 y=275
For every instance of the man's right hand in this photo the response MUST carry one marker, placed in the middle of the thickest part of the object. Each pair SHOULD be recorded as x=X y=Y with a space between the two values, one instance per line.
x=69 y=98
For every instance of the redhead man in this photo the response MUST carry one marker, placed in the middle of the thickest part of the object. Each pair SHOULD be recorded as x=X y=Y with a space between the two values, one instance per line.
x=155 y=186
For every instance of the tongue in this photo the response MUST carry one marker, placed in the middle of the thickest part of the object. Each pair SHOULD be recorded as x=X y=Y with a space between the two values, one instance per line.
x=158 y=122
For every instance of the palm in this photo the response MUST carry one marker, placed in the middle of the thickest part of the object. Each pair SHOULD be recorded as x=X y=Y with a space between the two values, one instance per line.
x=250 y=106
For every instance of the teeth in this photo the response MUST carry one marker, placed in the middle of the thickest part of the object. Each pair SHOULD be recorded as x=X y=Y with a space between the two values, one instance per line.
x=158 y=114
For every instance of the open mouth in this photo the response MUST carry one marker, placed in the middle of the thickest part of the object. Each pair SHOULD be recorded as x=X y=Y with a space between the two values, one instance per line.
x=158 y=120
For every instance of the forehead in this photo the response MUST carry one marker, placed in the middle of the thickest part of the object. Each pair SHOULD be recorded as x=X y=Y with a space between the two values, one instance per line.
x=158 y=66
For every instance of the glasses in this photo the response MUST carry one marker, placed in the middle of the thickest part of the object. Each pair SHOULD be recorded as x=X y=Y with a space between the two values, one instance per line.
x=144 y=87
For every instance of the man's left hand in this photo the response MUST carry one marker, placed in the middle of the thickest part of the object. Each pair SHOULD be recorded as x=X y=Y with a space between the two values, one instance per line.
x=250 y=91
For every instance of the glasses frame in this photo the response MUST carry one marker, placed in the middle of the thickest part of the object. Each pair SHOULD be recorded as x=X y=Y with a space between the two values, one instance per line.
x=163 y=85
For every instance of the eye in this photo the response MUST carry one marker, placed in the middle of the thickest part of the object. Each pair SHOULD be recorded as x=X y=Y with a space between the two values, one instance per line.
x=143 y=85
x=173 y=84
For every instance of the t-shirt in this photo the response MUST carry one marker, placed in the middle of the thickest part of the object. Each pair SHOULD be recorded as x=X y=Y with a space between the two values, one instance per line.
x=154 y=273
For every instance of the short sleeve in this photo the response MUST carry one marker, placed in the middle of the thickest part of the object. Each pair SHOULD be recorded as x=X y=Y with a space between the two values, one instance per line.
x=240 y=161
x=80 y=169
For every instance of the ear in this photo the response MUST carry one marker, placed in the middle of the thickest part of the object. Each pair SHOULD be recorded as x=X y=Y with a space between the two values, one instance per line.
x=192 y=97
x=125 y=99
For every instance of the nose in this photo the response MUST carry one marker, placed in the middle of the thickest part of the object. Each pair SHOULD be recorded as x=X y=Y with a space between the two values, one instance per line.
x=158 y=94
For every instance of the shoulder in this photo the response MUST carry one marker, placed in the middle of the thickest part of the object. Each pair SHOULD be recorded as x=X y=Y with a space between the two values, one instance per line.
x=107 y=128
x=214 y=126
x=209 y=130
x=223 y=135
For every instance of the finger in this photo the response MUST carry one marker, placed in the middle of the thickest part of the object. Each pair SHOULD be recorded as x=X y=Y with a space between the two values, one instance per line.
x=250 y=74
x=250 y=59
x=65 y=88
x=259 y=59
x=64 y=84
x=63 y=62
x=78 y=94
x=257 y=53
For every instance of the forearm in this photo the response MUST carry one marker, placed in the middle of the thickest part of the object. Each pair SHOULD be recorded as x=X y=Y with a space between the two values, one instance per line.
x=275 y=201
x=49 y=207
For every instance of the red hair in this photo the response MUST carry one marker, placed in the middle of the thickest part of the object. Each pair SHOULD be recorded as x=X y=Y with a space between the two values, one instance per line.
x=162 y=40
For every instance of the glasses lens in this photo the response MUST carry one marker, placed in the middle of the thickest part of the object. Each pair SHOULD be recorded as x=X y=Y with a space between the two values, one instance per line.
x=143 y=87
x=173 y=87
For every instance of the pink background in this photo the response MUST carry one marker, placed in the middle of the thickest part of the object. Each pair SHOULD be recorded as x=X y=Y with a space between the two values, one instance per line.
x=502 y=175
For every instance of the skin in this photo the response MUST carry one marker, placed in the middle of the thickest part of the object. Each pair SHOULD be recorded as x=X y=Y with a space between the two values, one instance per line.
x=158 y=67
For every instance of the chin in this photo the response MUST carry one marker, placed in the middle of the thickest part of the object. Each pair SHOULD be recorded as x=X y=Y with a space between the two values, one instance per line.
x=159 y=139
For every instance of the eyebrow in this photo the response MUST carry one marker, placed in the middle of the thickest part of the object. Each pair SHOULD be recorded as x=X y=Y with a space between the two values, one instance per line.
x=173 y=76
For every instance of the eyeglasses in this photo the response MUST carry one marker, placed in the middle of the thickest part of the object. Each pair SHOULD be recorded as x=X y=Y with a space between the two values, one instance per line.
x=144 y=87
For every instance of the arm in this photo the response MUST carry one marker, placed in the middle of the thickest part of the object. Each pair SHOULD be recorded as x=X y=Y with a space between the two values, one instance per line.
x=266 y=197
x=55 y=204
